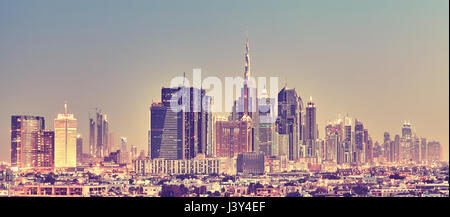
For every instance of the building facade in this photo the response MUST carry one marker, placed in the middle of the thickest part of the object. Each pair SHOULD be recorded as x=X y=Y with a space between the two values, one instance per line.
x=25 y=134
x=289 y=121
x=161 y=166
x=65 y=140
x=233 y=137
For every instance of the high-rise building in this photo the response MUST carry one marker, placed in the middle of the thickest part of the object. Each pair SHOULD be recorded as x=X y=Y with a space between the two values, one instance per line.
x=387 y=137
x=124 y=153
x=434 y=151
x=406 y=143
x=359 y=142
x=92 y=147
x=415 y=149
x=24 y=140
x=210 y=127
x=387 y=146
x=123 y=144
x=134 y=152
x=423 y=150
x=406 y=130
x=65 y=140
x=46 y=149
x=288 y=121
x=366 y=151
x=311 y=132
x=377 y=151
x=369 y=151
x=105 y=134
x=333 y=135
x=166 y=134
x=347 y=141
x=233 y=137
x=79 y=149
x=396 y=151
x=179 y=134
x=99 y=147
x=102 y=147
x=266 y=109
x=246 y=106
x=111 y=142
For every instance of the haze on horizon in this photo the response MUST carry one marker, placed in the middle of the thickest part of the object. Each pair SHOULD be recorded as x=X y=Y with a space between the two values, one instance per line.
x=382 y=62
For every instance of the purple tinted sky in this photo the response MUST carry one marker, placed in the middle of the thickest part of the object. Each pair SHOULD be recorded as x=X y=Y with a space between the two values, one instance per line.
x=382 y=61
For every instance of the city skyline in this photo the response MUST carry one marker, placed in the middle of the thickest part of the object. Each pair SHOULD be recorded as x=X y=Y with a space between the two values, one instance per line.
x=380 y=110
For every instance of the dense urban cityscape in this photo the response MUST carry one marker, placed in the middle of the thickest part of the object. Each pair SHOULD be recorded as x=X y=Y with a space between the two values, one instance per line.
x=265 y=147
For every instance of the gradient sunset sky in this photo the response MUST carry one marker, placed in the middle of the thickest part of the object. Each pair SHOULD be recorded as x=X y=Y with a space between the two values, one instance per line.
x=382 y=62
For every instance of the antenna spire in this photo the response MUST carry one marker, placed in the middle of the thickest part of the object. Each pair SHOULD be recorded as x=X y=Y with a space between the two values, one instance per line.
x=247 y=59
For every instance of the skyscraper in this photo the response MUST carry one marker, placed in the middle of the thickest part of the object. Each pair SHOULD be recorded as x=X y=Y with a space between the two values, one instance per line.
x=266 y=109
x=25 y=140
x=102 y=135
x=174 y=132
x=99 y=145
x=415 y=149
x=333 y=140
x=210 y=127
x=233 y=137
x=365 y=150
x=125 y=152
x=406 y=143
x=359 y=142
x=79 y=149
x=246 y=106
x=310 y=129
x=166 y=133
x=347 y=141
x=65 y=140
x=423 y=150
x=288 y=121
x=387 y=146
x=434 y=151
x=106 y=148
x=396 y=150
x=46 y=149
x=247 y=103
x=92 y=147
x=111 y=142
x=369 y=151
x=406 y=130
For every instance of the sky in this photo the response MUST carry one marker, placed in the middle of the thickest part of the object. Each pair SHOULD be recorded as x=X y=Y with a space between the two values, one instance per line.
x=382 y=62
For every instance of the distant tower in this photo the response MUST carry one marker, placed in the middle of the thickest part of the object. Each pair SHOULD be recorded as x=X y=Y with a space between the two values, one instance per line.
x=406 y=143
x=246 y=77
x=359 y=141
x=92 y=147
x=406 y=130
x=99 y=146
x=65 y=140
x=123 y=142
x=310 y=128
x=79 y=149
x=102 y=135
x=105 y=134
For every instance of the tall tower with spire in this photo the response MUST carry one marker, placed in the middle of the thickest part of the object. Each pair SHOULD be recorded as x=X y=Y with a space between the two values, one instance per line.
x=246 y=77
